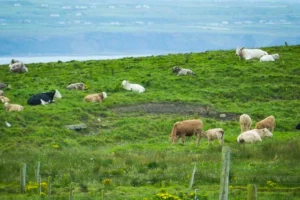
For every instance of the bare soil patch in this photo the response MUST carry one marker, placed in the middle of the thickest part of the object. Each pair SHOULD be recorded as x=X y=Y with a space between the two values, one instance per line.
x=176 y=108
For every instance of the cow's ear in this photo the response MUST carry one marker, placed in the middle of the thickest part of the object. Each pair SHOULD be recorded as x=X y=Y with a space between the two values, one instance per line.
x=242 y=48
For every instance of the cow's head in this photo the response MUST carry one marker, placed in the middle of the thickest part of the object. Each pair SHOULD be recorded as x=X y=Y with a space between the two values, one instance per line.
x=238 y=51
x=124 y=83
x=176 y=69
x=57 y=94
x=265 y=133
x=104 y=95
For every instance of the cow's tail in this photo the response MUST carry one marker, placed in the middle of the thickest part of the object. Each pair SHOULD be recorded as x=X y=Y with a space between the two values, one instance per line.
x=173 y=133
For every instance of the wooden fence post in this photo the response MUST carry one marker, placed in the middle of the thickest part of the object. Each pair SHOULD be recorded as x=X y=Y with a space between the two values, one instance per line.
x=252 y=192
x=23 y=178
x=38 y=171
x=225 y=173
x=193 y=176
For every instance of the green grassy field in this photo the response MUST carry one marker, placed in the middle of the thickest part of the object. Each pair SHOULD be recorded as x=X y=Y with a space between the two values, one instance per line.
x=125 y=152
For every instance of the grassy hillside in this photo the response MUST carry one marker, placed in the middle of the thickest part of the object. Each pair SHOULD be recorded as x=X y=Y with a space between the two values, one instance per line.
x=125 y=152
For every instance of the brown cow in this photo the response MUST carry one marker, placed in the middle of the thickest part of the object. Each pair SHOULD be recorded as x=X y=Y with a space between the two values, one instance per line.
x=96 y=97
x=187 y=128
x=268 y=123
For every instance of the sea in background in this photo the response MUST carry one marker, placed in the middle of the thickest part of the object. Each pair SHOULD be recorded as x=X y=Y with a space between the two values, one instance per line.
x=33 y=28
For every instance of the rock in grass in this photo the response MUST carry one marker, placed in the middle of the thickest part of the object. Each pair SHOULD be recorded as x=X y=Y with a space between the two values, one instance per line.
x=76 y=127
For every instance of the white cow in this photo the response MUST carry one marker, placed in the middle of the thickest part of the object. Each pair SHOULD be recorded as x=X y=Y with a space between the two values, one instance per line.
x=248 y=54
x=132 y=86
x=254 y=135
x=268 y=58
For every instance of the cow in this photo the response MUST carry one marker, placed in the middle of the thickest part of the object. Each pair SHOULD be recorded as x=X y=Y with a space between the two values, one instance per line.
x=1 y=93
x=13 y=107
x=99 y=97
x=187 y=128
x=4 y=85
x=132 y=86
x=245 y=122
x=76 y=86
x=4 y=99
x=267 y=58
x=254 y=135
x=182 y=71
x=215 y=133
x=298 y=126
x=44 y=98
x=17 y=67
x=248 y=54
x=268 y=123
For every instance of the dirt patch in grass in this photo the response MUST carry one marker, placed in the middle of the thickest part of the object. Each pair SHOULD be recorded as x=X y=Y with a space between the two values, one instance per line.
x=176 y=108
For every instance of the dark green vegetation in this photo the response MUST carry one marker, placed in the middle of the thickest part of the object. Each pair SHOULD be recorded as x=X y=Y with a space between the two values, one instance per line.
x=125 y=152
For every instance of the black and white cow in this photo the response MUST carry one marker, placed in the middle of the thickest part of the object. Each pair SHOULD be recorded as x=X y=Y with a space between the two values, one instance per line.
x=44 y=98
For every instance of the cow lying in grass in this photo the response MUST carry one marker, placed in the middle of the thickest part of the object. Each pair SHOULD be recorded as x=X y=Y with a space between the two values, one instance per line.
x=187 y=128
x=76 y=86
x=17 y=66
x=268 y=123
x=4 y=85
x=182 y=71
x=13 y=107
x=96 y=97
x=44 y=98
x=245 y=122
x=132 y=86
x=4 y=99
x=268 y=58
x=215 y=133
x=248 y=54
x=254 y=135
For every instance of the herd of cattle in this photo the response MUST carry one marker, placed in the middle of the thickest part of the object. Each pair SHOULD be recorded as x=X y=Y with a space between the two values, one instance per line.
x=180 y=129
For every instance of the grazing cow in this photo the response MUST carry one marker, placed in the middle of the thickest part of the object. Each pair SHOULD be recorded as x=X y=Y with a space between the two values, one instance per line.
x=4 y=85
x=298 y=126
x=17 y=67
x=187 y=128
x=44 y=98
x=4 y=99
x=1 y=93
x=132 y=86
x=96 y=97
x=76 y=86
x=13 y=107
x=248 y=54
x=215 y=133
x=182 y=71
x=267 y=58
x=254 y=135
x=268 y=123
x=245 y=122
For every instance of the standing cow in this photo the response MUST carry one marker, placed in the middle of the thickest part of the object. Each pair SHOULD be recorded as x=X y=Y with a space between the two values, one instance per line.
x=187 y=128
x=245 y=122
x=268 y=123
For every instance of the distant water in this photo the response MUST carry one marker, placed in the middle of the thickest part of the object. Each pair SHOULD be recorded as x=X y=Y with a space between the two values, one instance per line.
x=46 y=59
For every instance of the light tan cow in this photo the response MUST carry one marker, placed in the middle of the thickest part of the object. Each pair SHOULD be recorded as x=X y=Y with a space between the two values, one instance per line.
x=4 y=99
x=215 y=133
x=268 y=123
x=13 y=107
x=96 y=97
x=187 y=128
x=245 y=122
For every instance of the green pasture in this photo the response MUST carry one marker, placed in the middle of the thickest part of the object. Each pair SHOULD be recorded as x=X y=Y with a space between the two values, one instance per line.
x=125 y=152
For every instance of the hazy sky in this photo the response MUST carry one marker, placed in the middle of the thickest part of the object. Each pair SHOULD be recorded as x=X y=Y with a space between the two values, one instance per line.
x=151 y=26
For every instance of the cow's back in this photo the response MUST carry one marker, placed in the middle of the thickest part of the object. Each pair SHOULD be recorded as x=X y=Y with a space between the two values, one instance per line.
x=189 y=127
